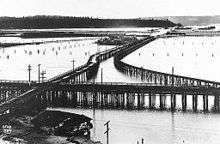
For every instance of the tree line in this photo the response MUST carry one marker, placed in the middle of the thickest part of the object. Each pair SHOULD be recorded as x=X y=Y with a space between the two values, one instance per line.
x=50 y=22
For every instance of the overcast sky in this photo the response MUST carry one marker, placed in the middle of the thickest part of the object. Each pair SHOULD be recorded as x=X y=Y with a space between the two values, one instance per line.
x=109 y=8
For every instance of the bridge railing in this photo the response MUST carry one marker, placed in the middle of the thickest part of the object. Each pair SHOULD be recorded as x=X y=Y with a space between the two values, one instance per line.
x=168 y=75
x=66 y=73
x=95 y=58
x=156 y=76
x=130 y=84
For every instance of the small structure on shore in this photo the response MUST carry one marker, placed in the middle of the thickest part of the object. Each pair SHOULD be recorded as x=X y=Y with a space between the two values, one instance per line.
x=63 y=123
x=207 y=28
x=116 y=40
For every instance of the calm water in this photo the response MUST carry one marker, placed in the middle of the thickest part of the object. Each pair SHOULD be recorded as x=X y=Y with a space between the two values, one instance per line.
x=55 y=57
x=128 y=127
x=29 y=40
x=111 y=74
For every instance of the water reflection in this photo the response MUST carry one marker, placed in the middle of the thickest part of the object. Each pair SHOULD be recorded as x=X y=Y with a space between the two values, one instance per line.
x=173 y=127
x=94 y=123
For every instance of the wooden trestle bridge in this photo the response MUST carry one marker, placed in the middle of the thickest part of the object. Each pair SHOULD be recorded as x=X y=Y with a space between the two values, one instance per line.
x=73 y=88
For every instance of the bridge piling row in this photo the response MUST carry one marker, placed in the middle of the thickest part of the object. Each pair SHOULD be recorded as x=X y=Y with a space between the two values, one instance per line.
x=8 y=93
x=97 y=96
x=158 y=78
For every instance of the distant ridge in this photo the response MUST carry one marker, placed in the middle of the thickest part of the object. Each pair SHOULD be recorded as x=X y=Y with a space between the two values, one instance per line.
x=47 y=22
x=193 y=20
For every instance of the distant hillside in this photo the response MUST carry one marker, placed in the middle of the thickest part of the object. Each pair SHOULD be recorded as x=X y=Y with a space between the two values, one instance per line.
x=193 y=20
x=47 y=22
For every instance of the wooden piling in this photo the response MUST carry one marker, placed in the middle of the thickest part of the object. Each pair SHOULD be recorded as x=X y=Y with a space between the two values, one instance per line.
x=205 y=103
x=216 y=103
x=184 y=102
x=173 y=101
x=194 y=102
x=162 y=101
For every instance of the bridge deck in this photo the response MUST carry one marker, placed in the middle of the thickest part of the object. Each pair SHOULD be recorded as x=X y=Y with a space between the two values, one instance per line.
x=136 y=87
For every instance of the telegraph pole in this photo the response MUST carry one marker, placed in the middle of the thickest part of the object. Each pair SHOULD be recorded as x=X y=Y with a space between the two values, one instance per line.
x=29 y=73
x=42 y=75
x=172 y=75
x=73 y=61
x=107 y=131
x=101 y=75
x=142 y=141
x=39 y=72
x=172 y=70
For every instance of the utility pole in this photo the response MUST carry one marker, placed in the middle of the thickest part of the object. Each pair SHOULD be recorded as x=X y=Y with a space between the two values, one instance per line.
x=29 y=73
x=142 y=141
x=42 y=75
x=172 y=70
x=39 y=73
x=101 y=75
x=73 y=61
x=172 y=75
x=107 y=131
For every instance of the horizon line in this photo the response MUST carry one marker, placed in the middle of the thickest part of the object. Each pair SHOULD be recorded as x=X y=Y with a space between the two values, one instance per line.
x=97 y=17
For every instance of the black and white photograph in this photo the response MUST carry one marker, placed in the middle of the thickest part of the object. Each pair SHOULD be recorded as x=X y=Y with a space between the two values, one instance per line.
x=109 y=72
